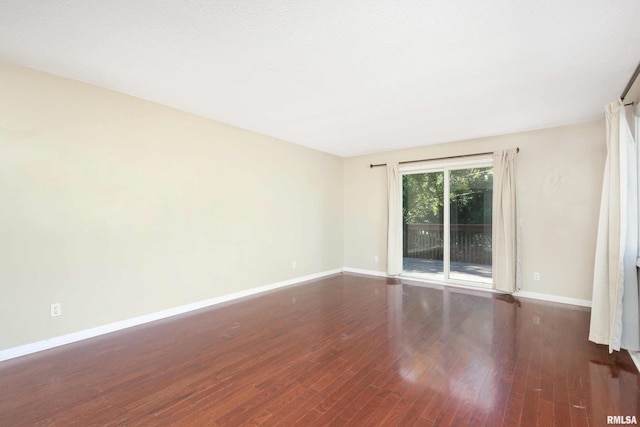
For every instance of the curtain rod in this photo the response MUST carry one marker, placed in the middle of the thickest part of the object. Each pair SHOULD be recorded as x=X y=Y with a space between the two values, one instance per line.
x=439 y=158
x=631 y=82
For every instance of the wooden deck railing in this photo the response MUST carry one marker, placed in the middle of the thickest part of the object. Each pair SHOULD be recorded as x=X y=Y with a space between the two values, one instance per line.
x=469 y=243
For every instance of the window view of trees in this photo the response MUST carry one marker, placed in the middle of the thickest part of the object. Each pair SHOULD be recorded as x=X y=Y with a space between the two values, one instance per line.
x=471 y=192
x=470 y=204
x=470 y=189
x=423 y=201
x=470 y=195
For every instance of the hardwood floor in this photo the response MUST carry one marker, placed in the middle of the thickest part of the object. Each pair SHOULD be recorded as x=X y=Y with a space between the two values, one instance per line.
x=343 y=350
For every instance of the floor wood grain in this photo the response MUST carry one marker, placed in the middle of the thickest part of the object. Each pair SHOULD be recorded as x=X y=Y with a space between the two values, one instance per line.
x=343 y=350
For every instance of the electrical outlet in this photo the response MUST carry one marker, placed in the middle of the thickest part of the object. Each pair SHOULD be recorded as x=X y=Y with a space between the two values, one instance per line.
x=56 y=309
x=536 y=276
x=294 y=264
x=376 y=258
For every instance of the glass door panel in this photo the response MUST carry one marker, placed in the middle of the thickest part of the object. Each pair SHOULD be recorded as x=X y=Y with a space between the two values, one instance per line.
x=423 y=223
x=470 y=203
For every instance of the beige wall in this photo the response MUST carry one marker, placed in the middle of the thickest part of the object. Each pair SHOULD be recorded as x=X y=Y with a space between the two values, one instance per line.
x=559 y=179
x=116 y=207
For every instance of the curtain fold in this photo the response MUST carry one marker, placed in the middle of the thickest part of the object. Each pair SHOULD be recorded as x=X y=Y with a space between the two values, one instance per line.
x=504 y=234
x=614 y=309
x=394 y=235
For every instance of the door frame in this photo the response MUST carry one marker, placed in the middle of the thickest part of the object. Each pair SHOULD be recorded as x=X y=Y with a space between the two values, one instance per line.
x=445 y=167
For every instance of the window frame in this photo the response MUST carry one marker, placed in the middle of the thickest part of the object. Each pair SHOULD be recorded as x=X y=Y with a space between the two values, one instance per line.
x=446 y=166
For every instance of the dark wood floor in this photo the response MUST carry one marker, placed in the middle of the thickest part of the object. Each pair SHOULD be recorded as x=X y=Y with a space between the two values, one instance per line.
x=344 y=350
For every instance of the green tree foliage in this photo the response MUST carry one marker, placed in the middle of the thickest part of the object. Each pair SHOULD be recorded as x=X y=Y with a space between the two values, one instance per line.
x=422 y=196
x=470 y=196
x=471 y=192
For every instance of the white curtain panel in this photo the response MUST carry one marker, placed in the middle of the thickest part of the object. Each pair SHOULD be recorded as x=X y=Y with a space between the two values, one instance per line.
x=394 y=235
x=614 y=309
x=504 y=235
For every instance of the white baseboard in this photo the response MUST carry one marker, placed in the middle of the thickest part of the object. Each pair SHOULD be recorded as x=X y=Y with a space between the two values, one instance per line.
x=23 y=350
x=635 y=356
x=552 y=298
x=363 y=271
x=520 y=294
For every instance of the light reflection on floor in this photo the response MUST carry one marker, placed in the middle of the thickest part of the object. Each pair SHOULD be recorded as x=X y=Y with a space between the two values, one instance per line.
x=421 y=326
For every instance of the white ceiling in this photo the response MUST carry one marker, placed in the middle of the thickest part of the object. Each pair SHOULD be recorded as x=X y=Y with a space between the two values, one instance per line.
x=345 y=77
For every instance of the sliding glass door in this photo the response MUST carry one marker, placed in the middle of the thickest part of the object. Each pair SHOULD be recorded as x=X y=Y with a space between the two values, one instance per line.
x=446 y=216
x=423 y=223
x=470 y=200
